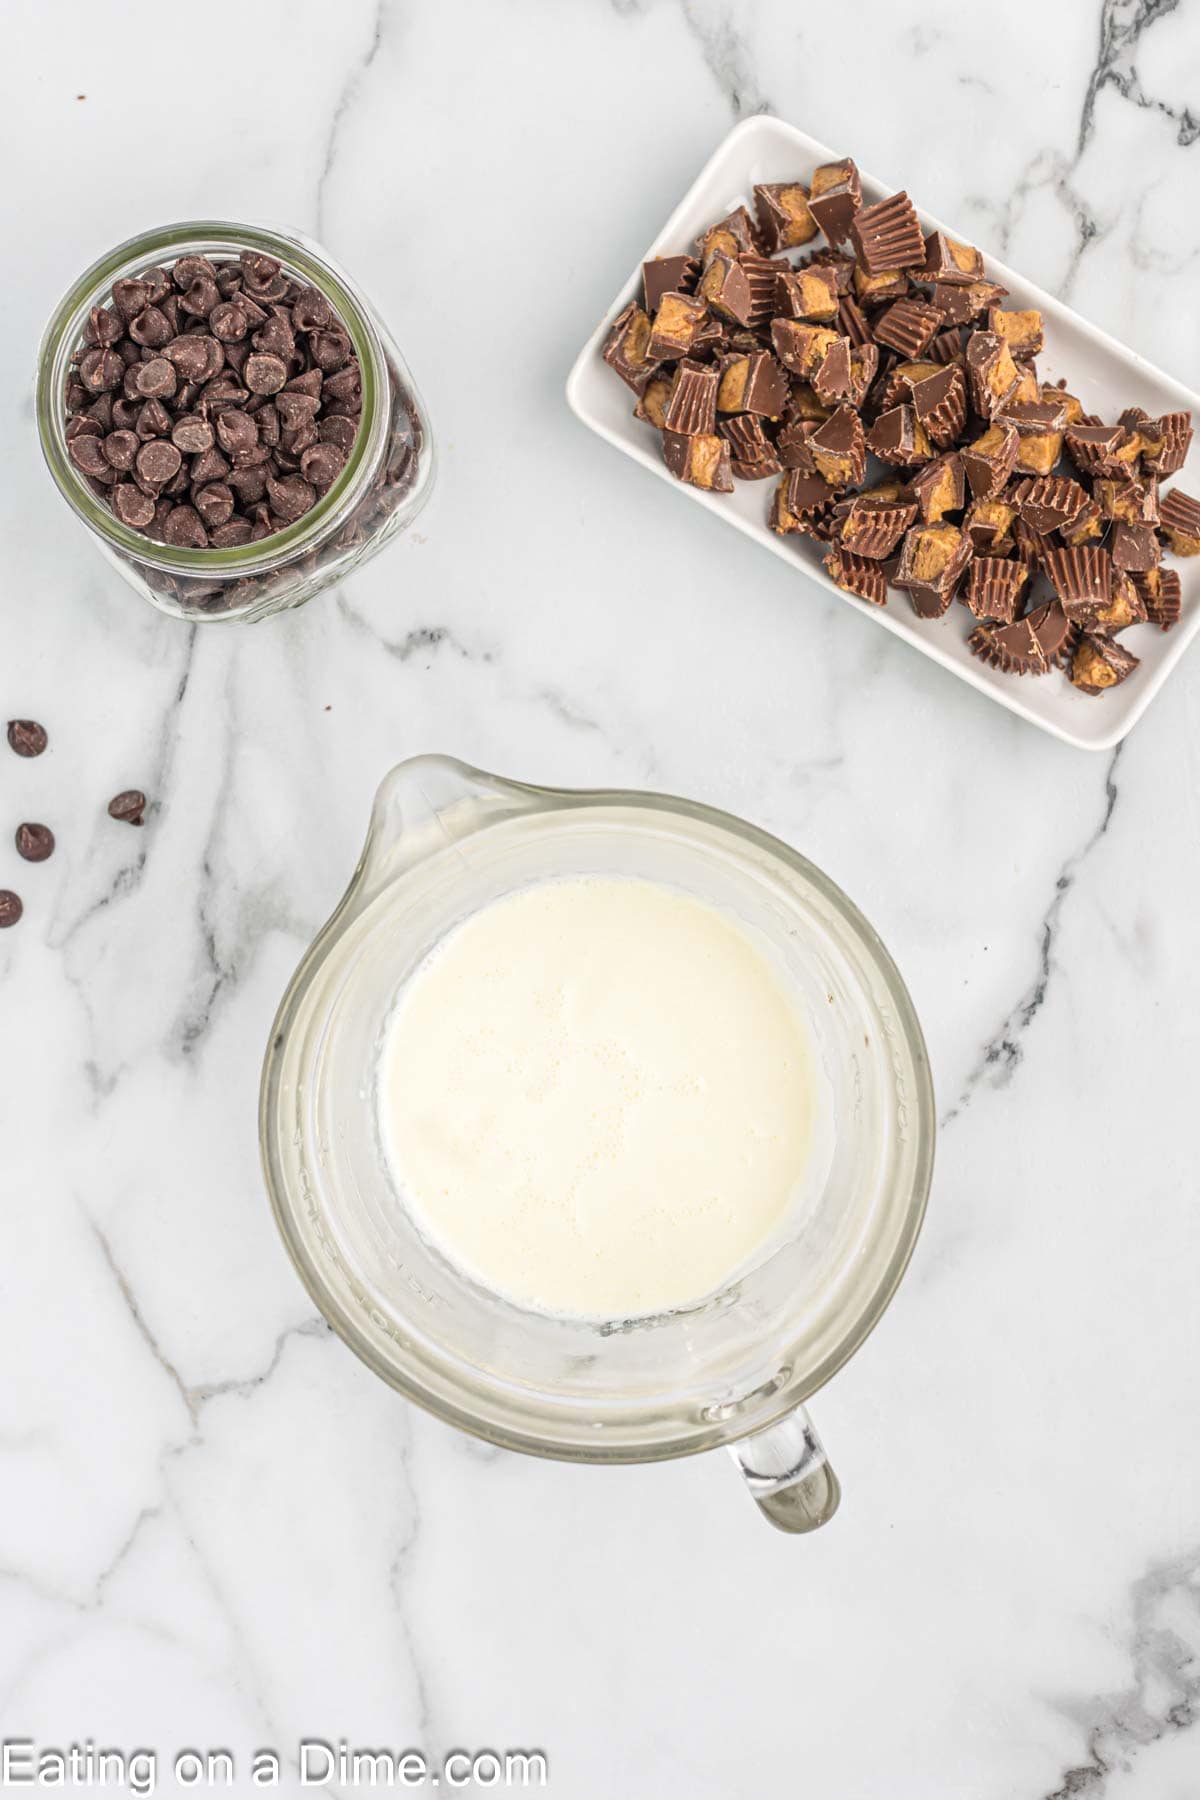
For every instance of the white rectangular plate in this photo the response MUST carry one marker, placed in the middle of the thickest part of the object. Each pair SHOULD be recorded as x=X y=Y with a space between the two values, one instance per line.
x=1106 y=376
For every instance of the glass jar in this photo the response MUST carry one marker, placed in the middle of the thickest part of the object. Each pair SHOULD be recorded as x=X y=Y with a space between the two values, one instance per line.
x=384 y=484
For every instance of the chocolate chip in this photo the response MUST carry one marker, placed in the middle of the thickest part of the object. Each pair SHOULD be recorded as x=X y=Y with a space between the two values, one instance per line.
x=100 y=370
x=321 y=465
x=184 y=529
x=104 y=327
x=214 y=503
x=27 y=737
x=339 y=431
x=157 y=462
x=130 y=297
x=310 y=383
x=151 y=328
x=132 y=506
x=10 y=908
x=210 y=466
x=201 y=297
x=265 y=374
x=156 y=380
x=87 y=453
x=276 y=338
x=192 y=435
x=129 y=806
x=120 y=448
x=262 y=276
x=190 y=356
x=291 y=498
x=237 y=434
x=329 y=349
x=229 y=322
x=231 y=535
x=152 y=420
x=34 y=842
x=188 y=268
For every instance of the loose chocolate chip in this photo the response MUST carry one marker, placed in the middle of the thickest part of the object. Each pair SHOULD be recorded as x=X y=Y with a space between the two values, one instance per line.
x=27 y=737
x=83 y=426
x=339 y=431
x=159 y=284
x=156 y=380
x=104 y=327
x=210 y=466
x=296 y=409
x=157 y=462
x=276 y=338
x=190 y=356
x=265 y=374
x=309 y=383
x=34 y=842
x=121 y=447
x=192 y=435
x=151 y=328
x=132 y=506
x=10 y=908
x=329 y=349
x=129 y=806
x=214 y=503
x=262 y=276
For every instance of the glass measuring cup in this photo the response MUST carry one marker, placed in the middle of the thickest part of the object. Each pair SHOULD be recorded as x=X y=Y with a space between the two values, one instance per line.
x=734 y=1370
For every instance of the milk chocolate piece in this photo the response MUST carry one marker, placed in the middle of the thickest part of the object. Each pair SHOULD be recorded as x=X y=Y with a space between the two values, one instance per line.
x=1126 y=607
x=652 y=401
x=902 y=378
x=872 y=525
x=1166 y=442
x=1135 y=548
x=1028 y=646
x=1179 y=519
x=888 y=235
x=938 y=488
x=1162 y=595
x=1032 y=546
x=864 y=365
x=857 y=575
x=907 y=326
x=1136 y=502
x=948 y=261
x=963 y=305
x=1087 y=526
x=947 y=347
x=726 y=287
x=733 y=236
x=995 y=585
x=991 y=371
x=1082 y=580
x=752 y=383
x=898 y=437
x=677 y=325
x=878 y=290
x=802 y=503
x=835 y=197
x=1039 y=426
x=931 y=565
x=702 y=462
x=667 y=275
x=1021 y=331
x=801 y=348
x=1100 y=663
x=692 y=407
x=1093 y=448
x=793 y=442
x=831 y=379
x=810 y=294
x=751 y=453
x=991 y=459
x=1049 y=502
x=940 y=403
x=628 y=347
x=763 y=272
x=852 y=320
x=989 y=524
x=838 y=450
x=784 y=219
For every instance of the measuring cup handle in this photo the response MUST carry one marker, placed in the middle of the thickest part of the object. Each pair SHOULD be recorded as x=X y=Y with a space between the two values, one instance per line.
x=788 y=1473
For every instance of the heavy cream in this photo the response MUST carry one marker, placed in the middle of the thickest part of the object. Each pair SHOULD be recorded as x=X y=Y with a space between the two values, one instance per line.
x=598 y=1096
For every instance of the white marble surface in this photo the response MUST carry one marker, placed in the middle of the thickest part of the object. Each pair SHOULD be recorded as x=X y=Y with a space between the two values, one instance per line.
x=215 y=1527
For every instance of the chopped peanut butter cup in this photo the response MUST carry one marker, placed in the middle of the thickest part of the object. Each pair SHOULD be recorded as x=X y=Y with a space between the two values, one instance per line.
x=857 y=575
x=835 y=197
x=1099 y=663
x=995 y=585
x=888 y=235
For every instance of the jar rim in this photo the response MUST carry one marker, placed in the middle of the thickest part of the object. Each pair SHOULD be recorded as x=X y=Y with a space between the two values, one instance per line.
x=299 y=255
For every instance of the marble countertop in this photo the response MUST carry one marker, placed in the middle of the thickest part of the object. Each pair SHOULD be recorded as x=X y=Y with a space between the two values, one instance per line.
x=216 y=1528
